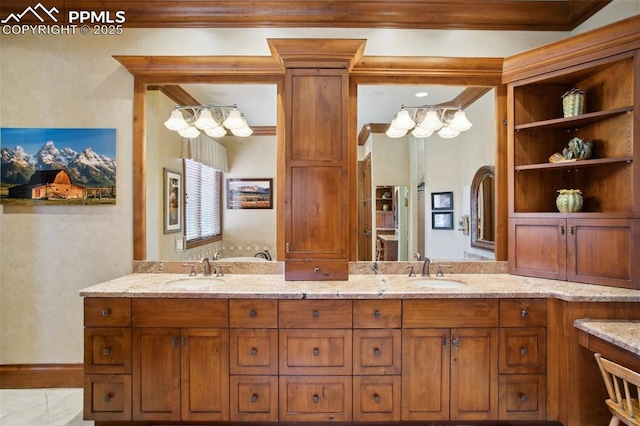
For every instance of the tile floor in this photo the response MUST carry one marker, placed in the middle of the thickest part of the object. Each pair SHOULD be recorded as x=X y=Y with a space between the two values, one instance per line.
x=41 y=407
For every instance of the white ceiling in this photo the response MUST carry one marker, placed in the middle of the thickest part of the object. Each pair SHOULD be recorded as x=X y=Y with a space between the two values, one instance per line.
x=376 y=104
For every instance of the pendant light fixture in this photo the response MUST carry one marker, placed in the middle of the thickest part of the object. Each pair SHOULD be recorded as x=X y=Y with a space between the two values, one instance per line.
x=212 y=119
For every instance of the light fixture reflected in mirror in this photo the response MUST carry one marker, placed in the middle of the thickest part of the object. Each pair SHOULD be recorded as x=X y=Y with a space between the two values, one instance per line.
x=214 y=120
x=426 y=119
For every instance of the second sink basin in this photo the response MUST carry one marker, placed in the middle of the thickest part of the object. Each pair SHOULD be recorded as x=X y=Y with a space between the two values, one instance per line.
x=436 y=282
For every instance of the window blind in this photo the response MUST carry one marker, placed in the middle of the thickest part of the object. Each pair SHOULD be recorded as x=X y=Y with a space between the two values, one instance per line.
x=203 y=198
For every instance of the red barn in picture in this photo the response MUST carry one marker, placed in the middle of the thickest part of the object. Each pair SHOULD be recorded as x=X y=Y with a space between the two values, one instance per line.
x=49 y=184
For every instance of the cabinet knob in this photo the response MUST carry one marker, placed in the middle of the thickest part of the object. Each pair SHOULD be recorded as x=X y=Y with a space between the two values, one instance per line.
x=456 y=342
x=253 y=314
x=316 y=352
x=316 y=269
x=107 y=397
x=377 y=313
x=287 y=247
x=253 y=351
x=174 y=342
x=254 y=397
x=376 y=397
x=570 y=230
x=524 y=397
x=561 y=230
x=523 y=351
x=315 y=314
x=524 y=313
x=106 y=351
x=447 y=342
x=105 y=312
x=376 y=351
x=315 y=398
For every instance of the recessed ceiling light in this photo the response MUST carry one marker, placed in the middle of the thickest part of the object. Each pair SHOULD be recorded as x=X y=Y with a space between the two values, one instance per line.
x=422 y=94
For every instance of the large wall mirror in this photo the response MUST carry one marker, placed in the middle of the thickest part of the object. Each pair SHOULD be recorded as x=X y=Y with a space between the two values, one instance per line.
x=483 y=196
x=175 y=72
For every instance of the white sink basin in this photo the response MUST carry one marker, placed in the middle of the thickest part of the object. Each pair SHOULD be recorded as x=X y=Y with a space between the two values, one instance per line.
x=436 y=283
x=195 y=283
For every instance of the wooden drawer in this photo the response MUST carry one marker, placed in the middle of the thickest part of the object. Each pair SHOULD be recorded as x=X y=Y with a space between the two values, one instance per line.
x=450 y=313
x=254 y=398
x=523 y=350
x=316 y=352
x=107 y=312
x=377 y=398
x=522 y=397
x=315 y=314
x=253 y=313
x=326 y=398
x=254 y=351
x=316 y=270
x=107 y=350
x=377 y=352
x=523 y=312
x=180 y=313
x=107 y=397
x=377 y=313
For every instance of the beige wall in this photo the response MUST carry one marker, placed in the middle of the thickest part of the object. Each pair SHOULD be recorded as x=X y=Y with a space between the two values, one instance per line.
x=50 y=253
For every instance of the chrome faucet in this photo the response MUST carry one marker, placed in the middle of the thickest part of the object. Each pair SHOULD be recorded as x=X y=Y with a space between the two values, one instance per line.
x=425 y=266
x=206 y=266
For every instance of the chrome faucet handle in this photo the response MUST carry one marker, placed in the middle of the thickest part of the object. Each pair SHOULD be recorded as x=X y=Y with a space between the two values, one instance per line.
x=219 y=272
x=412 y=273
x=439 y=272
x=417 y=256
x=192 y=272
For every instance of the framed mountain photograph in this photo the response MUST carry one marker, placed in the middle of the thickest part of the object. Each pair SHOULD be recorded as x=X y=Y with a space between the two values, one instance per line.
x=51 y=166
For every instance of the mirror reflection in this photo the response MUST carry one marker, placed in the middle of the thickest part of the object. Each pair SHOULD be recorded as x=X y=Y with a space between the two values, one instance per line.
x=412 y=168
x=483 y=190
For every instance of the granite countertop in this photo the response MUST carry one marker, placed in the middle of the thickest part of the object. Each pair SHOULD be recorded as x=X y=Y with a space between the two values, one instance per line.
x=359 y=286
x=624 y=334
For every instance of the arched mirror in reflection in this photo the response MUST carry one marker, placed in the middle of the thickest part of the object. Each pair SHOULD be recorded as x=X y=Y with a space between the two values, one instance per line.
x=483 y=190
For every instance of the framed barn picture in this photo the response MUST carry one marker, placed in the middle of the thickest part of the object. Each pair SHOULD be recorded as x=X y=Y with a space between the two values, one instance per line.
x=249 y=193
x=172 y=202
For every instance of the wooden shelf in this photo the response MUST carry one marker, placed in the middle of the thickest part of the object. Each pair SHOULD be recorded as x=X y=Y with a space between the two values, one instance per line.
x=574 y=122
x=574 y=164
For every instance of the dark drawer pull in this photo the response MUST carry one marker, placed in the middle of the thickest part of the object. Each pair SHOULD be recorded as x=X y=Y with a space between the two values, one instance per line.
x=107 y=397
x=377 y=313
x=376 y=397
x=253 y=351
x=106 y=351
x=524 y=313
x=253 y=314
x=315 y=398
x=376 y=352
x=105 y=312
x=316 y=352
x=524 y=397
x=523 y=351
x=315 y=314
x=254 y=397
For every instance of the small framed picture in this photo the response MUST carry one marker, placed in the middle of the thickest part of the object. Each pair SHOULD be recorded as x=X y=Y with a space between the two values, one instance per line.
x=442 y=201
x=172 y=202
x=441 y=220
x=250 y=193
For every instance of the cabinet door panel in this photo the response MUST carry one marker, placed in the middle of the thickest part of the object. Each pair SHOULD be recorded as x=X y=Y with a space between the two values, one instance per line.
x=107 y=397
x=538 y=248
x=523 y=350
x=474 y=374
x=325 y=398
x=425 y=385
x=205 y=374
x=377 y=352
x=254 y=351
x=316 y=352
x=601 y=251
x=107 y=350
x=376 y=398
x=254 y=398
x=156 y=374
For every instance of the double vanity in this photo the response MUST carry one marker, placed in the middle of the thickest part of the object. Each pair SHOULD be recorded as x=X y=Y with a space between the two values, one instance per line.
x=379 y=347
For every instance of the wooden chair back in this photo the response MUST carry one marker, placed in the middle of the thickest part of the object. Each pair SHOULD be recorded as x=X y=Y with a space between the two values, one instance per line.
x=623 y=387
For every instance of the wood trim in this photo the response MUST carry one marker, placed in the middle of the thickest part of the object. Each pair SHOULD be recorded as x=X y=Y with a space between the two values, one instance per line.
x=406 y=14
x=368 y=129
x=608 y=350
x=31 y=376
x=502 y=176
x=178 y=69
x=176 y=93
x=613 y=39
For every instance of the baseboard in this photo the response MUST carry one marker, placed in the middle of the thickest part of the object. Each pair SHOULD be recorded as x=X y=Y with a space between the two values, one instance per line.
x=31 y=376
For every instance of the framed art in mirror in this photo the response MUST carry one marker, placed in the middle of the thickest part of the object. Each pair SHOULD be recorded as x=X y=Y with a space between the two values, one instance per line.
x=442 y=220
x=172 y=202
x=250 y=193
x=442 y=201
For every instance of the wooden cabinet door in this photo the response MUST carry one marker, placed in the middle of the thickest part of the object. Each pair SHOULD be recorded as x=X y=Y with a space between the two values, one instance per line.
x=425 y=374
x=474 y=374
x=601 y=251
x=156 y=373
x=205 y=374
x=316 y=174
x=538 y=248
x=376 y=352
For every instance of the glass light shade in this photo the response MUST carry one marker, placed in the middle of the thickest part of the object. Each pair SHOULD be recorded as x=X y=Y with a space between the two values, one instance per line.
x=216 y=132
x=460 y=122
x=234 y=120
x=205 y=121
x=419 y=132
x=448 y=133
x=403 y=121
x=189 y=132
x=394 y=132
x=431 y=121
x=242 y=132
x=176 y=121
